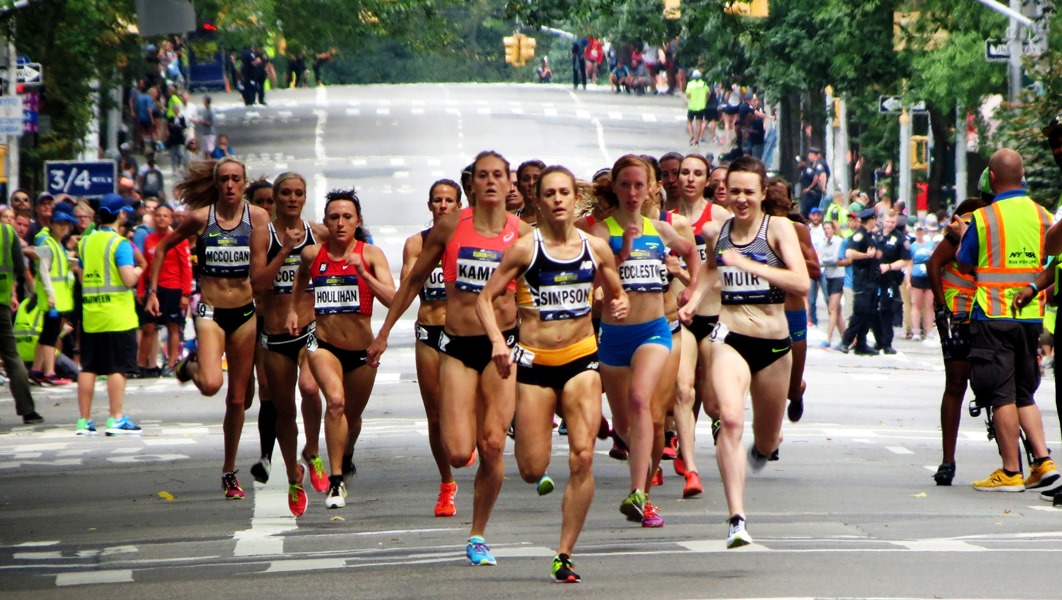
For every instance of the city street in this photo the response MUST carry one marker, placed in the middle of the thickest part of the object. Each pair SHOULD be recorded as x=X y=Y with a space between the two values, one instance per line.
x=849 y=511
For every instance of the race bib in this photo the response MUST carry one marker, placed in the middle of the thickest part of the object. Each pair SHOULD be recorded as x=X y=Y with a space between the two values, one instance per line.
x=336 y=294
x=474 y=268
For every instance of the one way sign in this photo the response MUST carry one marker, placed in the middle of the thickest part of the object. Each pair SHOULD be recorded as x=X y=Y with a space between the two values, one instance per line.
x=28 y=73
x=894 y=104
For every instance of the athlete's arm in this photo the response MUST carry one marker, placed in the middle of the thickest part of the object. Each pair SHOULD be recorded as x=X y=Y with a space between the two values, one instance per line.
x=192 y=224
x=1053 y=240
x=608 y=279
x=515 y=259
x=410 y=251
x=264 y=271
x=687 y=249
x=377 y=274
x=430 y=254
x=302 y=279
x=696 y=297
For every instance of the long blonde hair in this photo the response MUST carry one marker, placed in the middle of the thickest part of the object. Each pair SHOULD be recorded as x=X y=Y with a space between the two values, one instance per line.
x=199 y=188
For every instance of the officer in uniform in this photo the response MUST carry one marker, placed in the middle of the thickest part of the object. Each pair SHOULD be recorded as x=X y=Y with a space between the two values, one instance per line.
x=109 y=321
x=895 y=254
x=864 y=250
x=12 y=269
x=812 y=181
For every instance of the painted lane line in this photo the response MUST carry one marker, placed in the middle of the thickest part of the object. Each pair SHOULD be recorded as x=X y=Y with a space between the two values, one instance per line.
x=353 y=111
x=940 y=545
x=383 y=111
x=269 y=518
x=319 y=132
x=37 y=544
x=93 y=577
x=615 y=115
x=313 y=564
x=649 y=117
x=483 y=111
x=550 y=112
x=898 y=450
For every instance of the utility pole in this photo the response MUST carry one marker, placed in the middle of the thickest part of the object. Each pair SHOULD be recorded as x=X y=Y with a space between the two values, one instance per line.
x=12 y=167
x=1015 y=43
x=904 y=193
x=960 y=153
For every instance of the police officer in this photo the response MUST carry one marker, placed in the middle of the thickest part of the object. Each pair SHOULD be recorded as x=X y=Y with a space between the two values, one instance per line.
x=13 y=268
x=109 y=322
x=813 y=179
x=895 y=254
x=864 y=250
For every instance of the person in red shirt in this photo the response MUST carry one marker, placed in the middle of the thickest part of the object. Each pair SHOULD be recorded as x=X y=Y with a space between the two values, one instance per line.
x=175 y=286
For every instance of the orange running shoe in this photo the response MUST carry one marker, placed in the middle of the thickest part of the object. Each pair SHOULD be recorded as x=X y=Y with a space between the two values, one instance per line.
x=658 y=477
x=472 y=459
x=318 y=476
x=297 y=499
x=444 y=507
x=693 y=485
x=680 y=466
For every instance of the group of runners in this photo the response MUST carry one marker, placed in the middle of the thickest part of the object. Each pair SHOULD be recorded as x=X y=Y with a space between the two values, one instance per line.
x=521 y=317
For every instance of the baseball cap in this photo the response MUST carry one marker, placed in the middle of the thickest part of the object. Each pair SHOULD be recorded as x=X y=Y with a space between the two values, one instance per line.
x=855 y=207
x=44 y=196
x=63 y=217
x=815 y=211
x=696 y=74
x=113 y=204
x=868 y=214
x=815 y=149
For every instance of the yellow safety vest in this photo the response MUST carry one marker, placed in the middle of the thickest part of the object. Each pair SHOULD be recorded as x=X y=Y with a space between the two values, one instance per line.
x=108 y=305
x=1010 y=235
x=27 y=328
x=62 y=278
x=959 y=289
x=7 y=265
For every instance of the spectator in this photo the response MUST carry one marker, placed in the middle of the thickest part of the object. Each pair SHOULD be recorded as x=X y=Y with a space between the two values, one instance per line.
x=697 y=93
x=7 y=215
x=579 y=63
x=210 y=133
x=594 y=55
x=545 y=74
x=176 y=139
x=619 y=76
x=151 y=182
x=223 y=149
x=45 y=206
x=753 y=130
x=813 y=179
x=639 y=80
x=320 y=61
x=54 y=290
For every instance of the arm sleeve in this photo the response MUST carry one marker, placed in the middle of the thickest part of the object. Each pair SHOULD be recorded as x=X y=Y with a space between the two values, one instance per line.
x=123 y=256
x=186 y=268
x=44 y=267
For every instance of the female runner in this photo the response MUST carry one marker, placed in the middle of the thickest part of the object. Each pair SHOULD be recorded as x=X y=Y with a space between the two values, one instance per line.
x=347 y=274
x=444 y=198
x=633 y=353
x=476 y=404
x=275 y=255
x=260 y=193
x=557 y=354
x=222 y=223
x=759 y=260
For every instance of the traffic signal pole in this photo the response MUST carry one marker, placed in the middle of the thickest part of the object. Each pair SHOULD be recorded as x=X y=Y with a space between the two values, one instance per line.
x=12 y=167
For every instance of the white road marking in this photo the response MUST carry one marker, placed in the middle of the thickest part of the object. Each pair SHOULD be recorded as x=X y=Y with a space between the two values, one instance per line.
x=517 y=111
x=649 y=117
x=36 y=555
x=417 y=111
x=312 y=564
x=582 y=114
x=145 y=458
x=271 y=517
x=37 y=544
x=90 y=577
x=615 y=116
x=940 y=545
x=186 y=431
x=383 y=111
x=353 y=111
x=712 y=546
x=398 y=161
x=483 y=111
x=169 y=442
x=550 y=112
x=318 y=146
x=898 y=450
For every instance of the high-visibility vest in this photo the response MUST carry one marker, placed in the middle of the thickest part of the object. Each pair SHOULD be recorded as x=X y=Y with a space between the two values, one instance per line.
x=62 y=278
x=7 y=265
x=1010 y=236
x=959 y=289
x=108 y=304
x=29 y=322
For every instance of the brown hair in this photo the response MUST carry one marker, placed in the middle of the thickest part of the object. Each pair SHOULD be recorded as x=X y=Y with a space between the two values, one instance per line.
x=747 y=164
x=198 y=189
x=778 y=199
x=549 y=171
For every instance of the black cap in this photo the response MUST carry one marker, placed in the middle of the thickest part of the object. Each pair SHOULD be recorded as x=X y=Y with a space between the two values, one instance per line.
x=1054 y=126
x=868 y=214
x=815 y=149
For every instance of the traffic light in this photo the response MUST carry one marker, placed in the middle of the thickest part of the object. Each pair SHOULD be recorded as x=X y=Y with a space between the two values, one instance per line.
x=753 y=8
x=919 y=153
x=512 y=49
x=527 y=49
x=672 y=9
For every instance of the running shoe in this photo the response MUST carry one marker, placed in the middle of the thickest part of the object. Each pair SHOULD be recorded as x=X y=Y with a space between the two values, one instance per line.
x=37 y=377
x=85 y=427
x=999 y=481
x=54 y=379
x=478 y=552
x=756 y=460
x=349 y=468
x=444 y=506
x=297 y=499
x=693 y=485
x=563 y=429
x=260 y=469
x=739 y=536
x=1051 y=493
x=633 y=505
x=563 y=570
x=181 y=370
x=318 y=476
x=545 y=485
x=619 y=447
x=716 y=426
x=670 y=446
x=337 y=494
x=232 y=488
x=1041 y=475
x=795 y=410
x=680 y=466
x=658 y=477
x=604 y=429
x=945 y=473
x=651 y=518
x=122 y=426
x=472 y=459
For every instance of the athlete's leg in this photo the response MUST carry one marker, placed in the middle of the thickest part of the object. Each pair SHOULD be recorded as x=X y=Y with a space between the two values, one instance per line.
x=685 y=417
x=458 y=386
x=428 y=379
x=494 y=414
x=730 y=379
x=581 y=405
x=280 y=374
x=768 y=389
x=239 y=347
x=310 y=406
x=616 y=382
x=205 y=371
x=328 y=372
x=956 y=374
x=647 y=371
x=535 y=407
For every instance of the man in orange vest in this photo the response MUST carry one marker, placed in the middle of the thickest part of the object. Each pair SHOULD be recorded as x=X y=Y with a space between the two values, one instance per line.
x=1003 y=247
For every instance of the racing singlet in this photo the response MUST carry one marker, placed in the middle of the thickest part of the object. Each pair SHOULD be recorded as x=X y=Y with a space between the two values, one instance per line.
x=337 y=289
x=741 y=287
x=434 y=289
x=558 y=289
x=285 y=279
x=698 y=236
x=225 y=252
x=644 y=269
x=470 y=259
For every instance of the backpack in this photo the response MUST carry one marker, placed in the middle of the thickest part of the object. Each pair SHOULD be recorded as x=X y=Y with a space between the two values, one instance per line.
x=153 y=183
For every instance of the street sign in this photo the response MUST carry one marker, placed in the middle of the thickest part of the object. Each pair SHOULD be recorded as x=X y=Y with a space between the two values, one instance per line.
x=28 y=73
x=999 y=50
x=88 y=179
x=10 y=115
x=31 y=102
x=894 y=104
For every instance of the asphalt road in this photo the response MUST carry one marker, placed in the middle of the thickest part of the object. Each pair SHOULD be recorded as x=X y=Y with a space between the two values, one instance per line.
x=849 y=511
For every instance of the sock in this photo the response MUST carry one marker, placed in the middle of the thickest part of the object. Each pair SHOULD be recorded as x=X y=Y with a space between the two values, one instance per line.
x=1011 y=473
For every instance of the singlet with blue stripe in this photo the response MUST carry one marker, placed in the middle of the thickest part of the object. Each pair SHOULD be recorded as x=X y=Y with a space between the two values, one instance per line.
x=742 y=287
x=644 y=269
x=558 y=289
x=285 y=279
x=225 y=252
x=434 y=289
